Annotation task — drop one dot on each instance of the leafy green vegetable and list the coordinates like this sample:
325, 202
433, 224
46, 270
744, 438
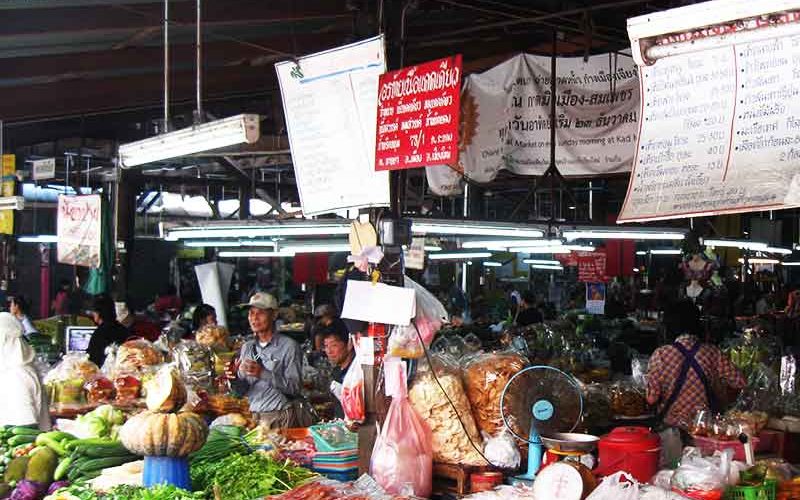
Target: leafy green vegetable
160, 492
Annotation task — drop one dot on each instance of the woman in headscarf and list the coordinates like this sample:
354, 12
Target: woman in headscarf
22, 392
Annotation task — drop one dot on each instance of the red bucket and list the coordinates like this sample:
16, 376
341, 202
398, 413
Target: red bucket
635, 450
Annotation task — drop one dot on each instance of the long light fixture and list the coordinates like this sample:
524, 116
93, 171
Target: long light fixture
510, 243
12, 203
254, 253
580, 248
239, 129
459, 255
38, 238
433, 248
641, 252
230, 243
491, 263
316, 248
474, 228
791, 263
779, 250
618, 234
547, 268
543, 250
294, 228
541, 262
760, 260
665, 251
730, 243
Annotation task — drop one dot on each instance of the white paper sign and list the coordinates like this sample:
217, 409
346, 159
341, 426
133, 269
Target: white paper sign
506, 117
378, 303
214, 280
43, 169
414, 257
721, 133
330, 100
79, 229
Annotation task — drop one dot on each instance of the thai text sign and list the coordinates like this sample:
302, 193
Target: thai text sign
418, 113
79, 230
721, 133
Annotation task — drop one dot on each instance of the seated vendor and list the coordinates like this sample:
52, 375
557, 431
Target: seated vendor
340, 355
687, 375
21, 390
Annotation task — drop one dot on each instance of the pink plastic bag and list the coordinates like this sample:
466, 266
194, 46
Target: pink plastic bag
402, 459
353, 393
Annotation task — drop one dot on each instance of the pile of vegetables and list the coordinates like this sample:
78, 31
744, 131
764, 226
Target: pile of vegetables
85, 459
223, 441
14, 442
245, 477
161, 492
104, 421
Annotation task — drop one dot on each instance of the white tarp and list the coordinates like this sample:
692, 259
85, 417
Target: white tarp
721, 133
214, 280
330, 100
506, 117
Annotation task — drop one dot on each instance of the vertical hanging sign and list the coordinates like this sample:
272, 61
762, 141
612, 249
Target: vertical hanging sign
8, 171
79, 230
418, 115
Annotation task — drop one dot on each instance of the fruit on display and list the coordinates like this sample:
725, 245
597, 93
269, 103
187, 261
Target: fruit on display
165, 392
42, 465
164, 434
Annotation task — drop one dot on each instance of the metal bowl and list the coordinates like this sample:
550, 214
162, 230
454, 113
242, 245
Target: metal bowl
570, 441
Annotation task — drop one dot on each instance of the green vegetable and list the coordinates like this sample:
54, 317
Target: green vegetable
104, 451
105, 463
21, 439
16, 469
63, 467
25, 431
41, 466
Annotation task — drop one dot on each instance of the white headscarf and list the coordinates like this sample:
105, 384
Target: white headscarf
14, 351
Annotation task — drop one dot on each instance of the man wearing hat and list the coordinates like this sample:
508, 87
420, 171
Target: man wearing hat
270, 369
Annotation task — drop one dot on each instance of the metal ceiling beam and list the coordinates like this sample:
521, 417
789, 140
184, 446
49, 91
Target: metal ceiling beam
50, 4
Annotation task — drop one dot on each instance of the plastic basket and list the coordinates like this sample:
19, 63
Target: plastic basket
709, 445
764, 492
166, 470
323, 437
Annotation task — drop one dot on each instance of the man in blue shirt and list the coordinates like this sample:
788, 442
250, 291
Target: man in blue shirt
270, 368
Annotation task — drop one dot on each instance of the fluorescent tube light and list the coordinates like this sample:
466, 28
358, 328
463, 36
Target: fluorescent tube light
239, 129
580, 248
543, 250
742, 244
541, 262
473, 228
790, 263
302, 228
254, 253
760, 260
641, 252
12, 203
38, 238
636, 269
491, 263
547, 268
509, 243
665, 251
432, 248
779, 250
618, 234
319, 248
460, 256
229, 243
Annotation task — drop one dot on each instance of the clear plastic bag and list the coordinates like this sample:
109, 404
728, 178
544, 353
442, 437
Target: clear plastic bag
430, 315
618, 486
65, 382
353, 393
402, 459
699, 477
194, 362
405, 343
485, 377
136, 354
502, 450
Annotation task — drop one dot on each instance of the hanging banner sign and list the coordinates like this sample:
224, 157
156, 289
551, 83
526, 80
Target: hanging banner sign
8, 170
414, 257
721, 133
418, 113
591, 265
79, 230
596, 298
330, 101
43, 169
505, 114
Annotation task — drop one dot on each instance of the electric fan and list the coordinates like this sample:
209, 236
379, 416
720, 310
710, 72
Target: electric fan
537, 403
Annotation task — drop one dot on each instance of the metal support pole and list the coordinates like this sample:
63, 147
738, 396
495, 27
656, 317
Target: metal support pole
199, 115
591, 202
166, 66
464, 264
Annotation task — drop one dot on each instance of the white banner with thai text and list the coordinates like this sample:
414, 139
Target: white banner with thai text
79, 230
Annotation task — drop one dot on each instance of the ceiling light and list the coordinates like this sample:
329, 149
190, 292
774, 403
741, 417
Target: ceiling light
509, 243
641, 252
38, 238
548, 268
253, 253
541, 262
580, 248
759, 260
239, 129
432, 248
543, 250
229, 243
729, 243
317, 248
12, 203
636, 269
460, 255
473, 228
665, 251
299, 228
491, 263
779, 250
619, 234
790, 263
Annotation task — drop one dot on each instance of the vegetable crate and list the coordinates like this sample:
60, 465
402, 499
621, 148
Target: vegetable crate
765, 491
452, 478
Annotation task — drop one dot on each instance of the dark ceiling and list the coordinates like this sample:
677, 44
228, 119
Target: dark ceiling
88, 70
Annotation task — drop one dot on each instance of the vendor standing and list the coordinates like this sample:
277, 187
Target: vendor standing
270, 369
340, 353
109, 330
21, 390
688, 375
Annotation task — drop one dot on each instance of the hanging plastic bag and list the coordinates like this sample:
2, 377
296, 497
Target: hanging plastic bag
618, 486
502, 450
352, 398
402, 459
405, 343
430, 315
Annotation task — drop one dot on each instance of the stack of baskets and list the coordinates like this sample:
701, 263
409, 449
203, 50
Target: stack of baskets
337, 451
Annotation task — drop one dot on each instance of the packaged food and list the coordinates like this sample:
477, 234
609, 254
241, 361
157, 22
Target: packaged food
65, 382
128, 388
194, 362
404, 342
628, 399
213, 337
136, 354
485, 377
451, 444
99, 390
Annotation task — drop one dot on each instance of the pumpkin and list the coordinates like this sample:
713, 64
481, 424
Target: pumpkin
164, 434
165, 392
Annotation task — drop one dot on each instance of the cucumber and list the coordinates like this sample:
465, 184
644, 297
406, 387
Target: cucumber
98, 464
21, 439
103, 452
61, 470
25, 431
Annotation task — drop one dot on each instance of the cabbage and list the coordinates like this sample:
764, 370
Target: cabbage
110, 414
100, 421
28, 490
56, 485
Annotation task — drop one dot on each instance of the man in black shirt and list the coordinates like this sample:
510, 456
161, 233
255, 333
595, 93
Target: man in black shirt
109, 330
340, 354
529, 313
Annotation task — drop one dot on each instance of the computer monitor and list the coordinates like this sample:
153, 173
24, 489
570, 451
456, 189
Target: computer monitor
78, 337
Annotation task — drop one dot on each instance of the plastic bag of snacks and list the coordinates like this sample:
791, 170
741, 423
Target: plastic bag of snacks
66, 380
450, 443
485, 377
430, 315
353, 393
618, 486
213, 337
194, 362
405, 343
99, 390
628, 399
502, 450
136, 354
